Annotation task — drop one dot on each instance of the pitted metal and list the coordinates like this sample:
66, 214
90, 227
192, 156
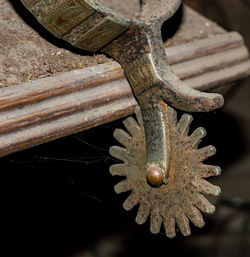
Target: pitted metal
136, 43
179, 201
142, 70
101, 34
68, 19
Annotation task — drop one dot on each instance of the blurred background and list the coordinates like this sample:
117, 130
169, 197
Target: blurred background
57, 199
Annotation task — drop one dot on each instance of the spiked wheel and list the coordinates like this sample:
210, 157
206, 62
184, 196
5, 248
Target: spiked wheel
179, 201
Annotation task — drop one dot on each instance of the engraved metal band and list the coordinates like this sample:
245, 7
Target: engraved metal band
103, 33
62, 17
30, 3
142, 75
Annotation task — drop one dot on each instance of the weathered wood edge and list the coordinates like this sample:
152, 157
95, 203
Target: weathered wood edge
53, 107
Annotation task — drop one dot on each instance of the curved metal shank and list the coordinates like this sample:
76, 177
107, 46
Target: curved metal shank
141, 52
137, 45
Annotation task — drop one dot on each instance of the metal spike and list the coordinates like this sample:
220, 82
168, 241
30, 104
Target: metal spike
197, 136
203, 204
122, 187
122, 137
131, 202
207, 171
169, 225
183, 224
183, 125
139, 116
143, 213
207, 188
118, 170
195, 216
155, 222
172, 116
132, 126
205, 152
119, 153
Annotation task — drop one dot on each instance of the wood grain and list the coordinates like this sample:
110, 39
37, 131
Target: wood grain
43, 110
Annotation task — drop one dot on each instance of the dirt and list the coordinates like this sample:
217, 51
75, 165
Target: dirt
28, 52
26, 55
129, 8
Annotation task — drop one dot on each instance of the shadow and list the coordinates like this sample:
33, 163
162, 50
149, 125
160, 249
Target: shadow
61, 194
58, 198
215, 10
224, 131
171, 26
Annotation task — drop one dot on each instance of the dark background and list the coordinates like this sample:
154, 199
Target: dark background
57, 199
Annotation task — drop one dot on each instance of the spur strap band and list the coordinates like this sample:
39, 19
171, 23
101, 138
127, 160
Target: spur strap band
81, 23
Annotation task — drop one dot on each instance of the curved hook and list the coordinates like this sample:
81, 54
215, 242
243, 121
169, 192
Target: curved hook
137, 45
141, 52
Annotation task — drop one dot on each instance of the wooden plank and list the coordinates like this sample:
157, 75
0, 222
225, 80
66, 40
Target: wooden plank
53, 107
218, 78
213, 62
204, 47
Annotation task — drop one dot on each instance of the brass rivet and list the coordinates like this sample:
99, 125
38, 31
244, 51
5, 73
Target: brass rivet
155, 175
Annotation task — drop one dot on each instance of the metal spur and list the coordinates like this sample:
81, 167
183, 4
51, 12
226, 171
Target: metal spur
161, 162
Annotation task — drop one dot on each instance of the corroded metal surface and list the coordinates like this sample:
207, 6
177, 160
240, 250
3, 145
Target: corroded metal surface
142, 70
141, 53
136, 43
62, 17
181, 200
70, 20
100, 35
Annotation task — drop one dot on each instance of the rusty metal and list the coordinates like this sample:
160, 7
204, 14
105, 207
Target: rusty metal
141, 53
86, 24
137, 45
179, 201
